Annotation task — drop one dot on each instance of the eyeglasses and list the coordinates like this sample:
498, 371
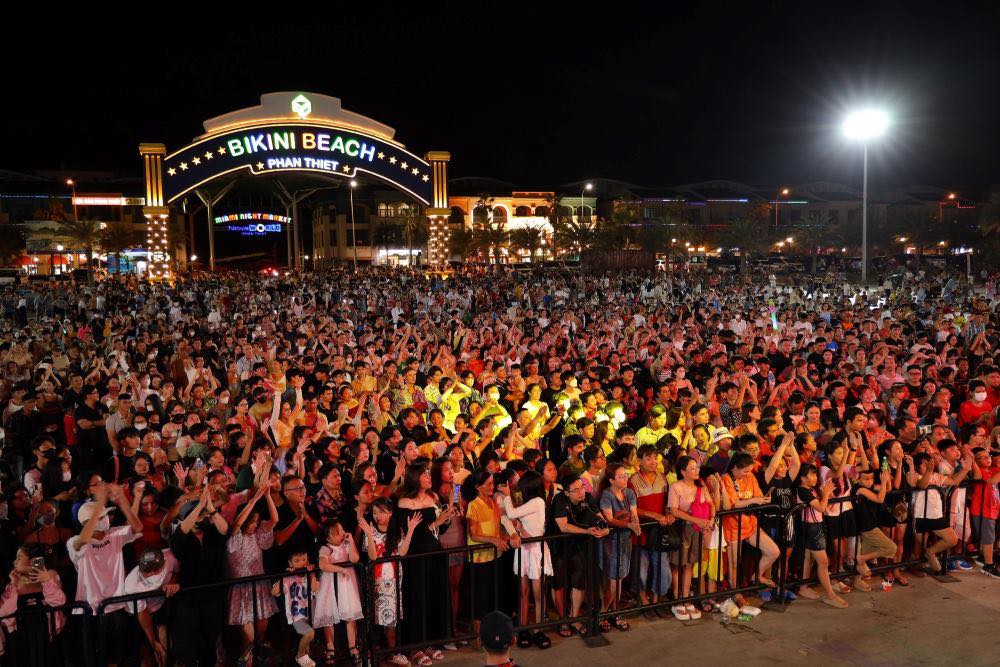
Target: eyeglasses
295, 488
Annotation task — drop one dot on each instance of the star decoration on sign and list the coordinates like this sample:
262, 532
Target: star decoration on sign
222, 150
416, 172
260, 166
347, 169
172, 171
404, 165
197, 160
208, 155
183, 166
381, 155
425, 179
392, 160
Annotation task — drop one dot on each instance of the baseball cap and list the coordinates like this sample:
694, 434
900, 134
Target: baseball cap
151, 560
496, 631
87, 510
721, 434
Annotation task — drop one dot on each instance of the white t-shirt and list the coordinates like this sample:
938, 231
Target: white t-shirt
928, 503
137, 582
958, 495
100, 566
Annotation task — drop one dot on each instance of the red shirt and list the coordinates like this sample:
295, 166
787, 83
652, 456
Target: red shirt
969, 412
985, 497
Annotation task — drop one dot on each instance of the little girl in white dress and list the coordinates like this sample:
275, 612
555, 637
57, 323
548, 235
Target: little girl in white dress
338, 599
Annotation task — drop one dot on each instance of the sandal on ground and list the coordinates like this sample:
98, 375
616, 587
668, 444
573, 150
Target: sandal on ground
524, 639
767, 582
581, 629
418, 658
841, 587
355, 654
329, 656
399, 659
434, 653
862, 585
619, 623
680, 612
807, 593
838, 603
900, 580
541, 640
706, 606
565, 630
692, 611
604, 625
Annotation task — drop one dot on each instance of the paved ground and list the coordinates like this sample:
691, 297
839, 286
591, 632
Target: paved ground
929, 623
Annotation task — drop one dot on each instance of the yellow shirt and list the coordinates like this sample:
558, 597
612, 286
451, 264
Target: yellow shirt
484, 519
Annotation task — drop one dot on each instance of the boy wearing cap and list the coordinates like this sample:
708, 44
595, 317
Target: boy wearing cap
96, 553
496, 632
157, 570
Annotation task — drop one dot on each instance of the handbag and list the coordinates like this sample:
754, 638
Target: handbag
664, 538
699, 509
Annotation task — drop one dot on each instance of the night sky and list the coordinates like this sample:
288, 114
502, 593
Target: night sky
640, 93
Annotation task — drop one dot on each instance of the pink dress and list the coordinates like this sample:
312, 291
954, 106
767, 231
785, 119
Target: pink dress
245, 558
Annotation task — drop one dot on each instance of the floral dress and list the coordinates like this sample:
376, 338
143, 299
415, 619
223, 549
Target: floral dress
385, 580
245, 558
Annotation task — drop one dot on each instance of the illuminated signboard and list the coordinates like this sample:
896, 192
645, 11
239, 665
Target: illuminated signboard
260, 229
253, 215
273, 148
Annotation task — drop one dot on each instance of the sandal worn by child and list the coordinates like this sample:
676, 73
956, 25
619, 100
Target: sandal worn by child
541, 640
524, 639
620, 623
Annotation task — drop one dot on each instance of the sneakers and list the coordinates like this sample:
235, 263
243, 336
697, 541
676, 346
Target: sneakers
680, 612
305, 661
765, 596
991, 570
959, 564
790, 596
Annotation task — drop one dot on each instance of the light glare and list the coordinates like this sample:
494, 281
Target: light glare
866, 124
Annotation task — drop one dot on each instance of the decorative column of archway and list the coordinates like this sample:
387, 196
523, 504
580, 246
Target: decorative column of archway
437, 214
155, 213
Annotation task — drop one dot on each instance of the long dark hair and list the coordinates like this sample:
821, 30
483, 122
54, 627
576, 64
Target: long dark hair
530, 485
411, 481
436, 467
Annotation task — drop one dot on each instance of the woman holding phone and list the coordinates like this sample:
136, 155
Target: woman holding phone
452, 533
30, 585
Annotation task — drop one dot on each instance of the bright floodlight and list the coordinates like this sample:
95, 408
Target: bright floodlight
866, 124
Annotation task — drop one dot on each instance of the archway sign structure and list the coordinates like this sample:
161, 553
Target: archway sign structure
289, 133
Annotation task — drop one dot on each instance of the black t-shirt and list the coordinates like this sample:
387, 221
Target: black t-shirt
123, 465
582, 515
202, 561
302, 538
867, 512
782, 493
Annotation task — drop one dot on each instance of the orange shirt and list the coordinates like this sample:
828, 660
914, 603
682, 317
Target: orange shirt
744, 524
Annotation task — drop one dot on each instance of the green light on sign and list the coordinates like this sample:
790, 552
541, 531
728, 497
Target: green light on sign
301, 106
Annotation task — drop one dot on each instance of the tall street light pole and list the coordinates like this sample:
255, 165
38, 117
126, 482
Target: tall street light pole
354, 238
865, 125
72, 186
586, 188
777, 200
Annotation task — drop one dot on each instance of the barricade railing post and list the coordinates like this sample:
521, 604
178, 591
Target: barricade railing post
594, 637
946, 497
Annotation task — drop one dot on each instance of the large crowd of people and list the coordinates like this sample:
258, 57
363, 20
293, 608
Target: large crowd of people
618, 439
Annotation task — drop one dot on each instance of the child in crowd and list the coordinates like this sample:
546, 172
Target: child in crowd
338, 599
297, 590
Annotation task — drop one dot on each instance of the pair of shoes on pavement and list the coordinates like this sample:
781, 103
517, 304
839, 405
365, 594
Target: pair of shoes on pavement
685, 612
956, 564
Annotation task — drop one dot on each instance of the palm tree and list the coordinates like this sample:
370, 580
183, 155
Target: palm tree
817, 232
573, 234
749, 235
461, 242
415, 231
85, 235
118, 237
488, 236
528, 238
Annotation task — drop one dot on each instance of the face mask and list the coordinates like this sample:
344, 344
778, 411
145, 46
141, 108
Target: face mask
67, 475
224, 400
177, 419
980, 396
140, 427
46, 519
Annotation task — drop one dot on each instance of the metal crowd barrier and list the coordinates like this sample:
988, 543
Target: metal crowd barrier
43, 635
